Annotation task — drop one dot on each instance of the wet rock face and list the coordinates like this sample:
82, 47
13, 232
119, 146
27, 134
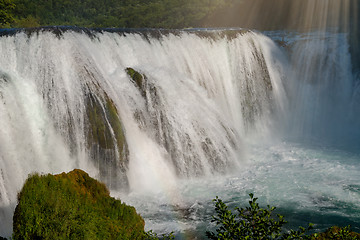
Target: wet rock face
257, 90
4, 78
106, 140
72, 206
138, 79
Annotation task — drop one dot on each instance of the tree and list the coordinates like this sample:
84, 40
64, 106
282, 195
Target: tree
6, 7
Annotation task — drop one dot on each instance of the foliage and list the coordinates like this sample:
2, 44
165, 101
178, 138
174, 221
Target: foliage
72, 206
6, 16
27, 22
337, 233
251, 223
118, 13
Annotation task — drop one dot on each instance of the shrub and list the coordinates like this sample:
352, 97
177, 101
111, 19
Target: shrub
72, 206
337, 233
251, 223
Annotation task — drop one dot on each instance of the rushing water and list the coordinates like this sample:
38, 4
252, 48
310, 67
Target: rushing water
306, 183
218, 113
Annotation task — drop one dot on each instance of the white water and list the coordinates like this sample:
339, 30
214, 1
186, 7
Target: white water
203, 128
305, 183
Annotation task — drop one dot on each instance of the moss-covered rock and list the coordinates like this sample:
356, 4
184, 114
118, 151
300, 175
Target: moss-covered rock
138, 78
116, 125
98, 132
105, 127
106, 139
135, 75
72, 206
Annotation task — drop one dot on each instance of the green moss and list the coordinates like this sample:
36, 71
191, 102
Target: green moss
138, 79
135, 75
115, 122
72, 206
105, 128
98, 132
106, 139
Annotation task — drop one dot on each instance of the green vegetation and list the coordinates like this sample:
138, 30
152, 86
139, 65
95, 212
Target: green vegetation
106, 138
116, 125
105, 122
135, 76
6, 16
108, 13
337, 233
138, 78
255, 223
251, 223
72, 206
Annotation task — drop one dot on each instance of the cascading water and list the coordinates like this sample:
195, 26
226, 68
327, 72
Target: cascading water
169, 120
323, 88
67, 102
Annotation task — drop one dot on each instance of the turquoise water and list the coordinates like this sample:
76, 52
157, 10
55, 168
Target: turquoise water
306, 183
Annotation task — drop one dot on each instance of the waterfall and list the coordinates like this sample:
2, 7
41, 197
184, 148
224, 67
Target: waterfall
323, 90
67, 100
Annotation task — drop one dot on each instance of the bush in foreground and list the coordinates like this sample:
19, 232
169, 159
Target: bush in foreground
72, 206
255, 223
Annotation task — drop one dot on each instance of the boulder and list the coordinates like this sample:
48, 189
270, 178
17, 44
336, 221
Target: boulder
72, 206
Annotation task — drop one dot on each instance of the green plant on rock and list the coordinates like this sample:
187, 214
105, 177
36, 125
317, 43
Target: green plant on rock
251, 223
105, 127
72, 206
138, 78
106, 138
135, 75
